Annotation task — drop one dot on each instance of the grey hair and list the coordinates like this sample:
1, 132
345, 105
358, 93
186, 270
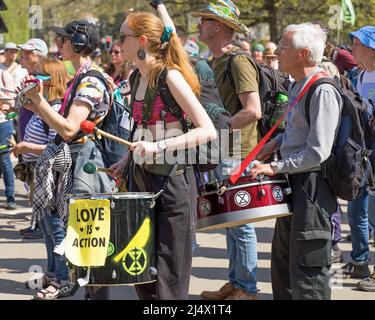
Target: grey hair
307, 35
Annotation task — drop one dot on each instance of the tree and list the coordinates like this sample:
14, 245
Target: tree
276, 13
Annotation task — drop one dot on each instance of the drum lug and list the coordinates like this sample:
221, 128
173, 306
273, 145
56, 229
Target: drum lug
261, 193
221, 200
222, 190
151, 204
153, 271
114, 274
113, 204
287, 191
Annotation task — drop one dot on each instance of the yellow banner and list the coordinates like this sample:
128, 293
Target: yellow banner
88, 232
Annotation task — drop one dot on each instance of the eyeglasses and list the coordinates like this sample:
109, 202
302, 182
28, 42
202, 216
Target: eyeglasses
123, 36
281, 48
115, 52
206, 19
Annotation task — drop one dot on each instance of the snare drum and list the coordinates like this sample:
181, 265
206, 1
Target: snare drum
246, 202
132, 221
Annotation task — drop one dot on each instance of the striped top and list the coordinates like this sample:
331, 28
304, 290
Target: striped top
35, 133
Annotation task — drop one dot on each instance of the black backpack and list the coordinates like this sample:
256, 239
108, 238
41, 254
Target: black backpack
348, 169
112, 151
272, 83
207, 155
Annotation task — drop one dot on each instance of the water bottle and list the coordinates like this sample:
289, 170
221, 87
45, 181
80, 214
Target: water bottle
11, 115
280, 108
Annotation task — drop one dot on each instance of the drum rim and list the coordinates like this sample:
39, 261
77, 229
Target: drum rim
241, 186
120, 195
262, 213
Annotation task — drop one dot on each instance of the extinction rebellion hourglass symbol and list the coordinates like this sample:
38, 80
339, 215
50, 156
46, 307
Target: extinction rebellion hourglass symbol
135, 261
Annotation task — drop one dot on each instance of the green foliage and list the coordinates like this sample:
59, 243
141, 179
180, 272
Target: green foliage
111, 13
16, 20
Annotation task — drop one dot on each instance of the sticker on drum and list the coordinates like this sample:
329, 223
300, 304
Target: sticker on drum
205, 207
242, 198
277, 193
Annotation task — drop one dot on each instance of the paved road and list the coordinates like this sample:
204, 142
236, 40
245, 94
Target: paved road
18, 256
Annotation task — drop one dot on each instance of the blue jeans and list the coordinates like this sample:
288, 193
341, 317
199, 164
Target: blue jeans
6, 131
371, 211
359, 227
242, 254
54, 233
241, 244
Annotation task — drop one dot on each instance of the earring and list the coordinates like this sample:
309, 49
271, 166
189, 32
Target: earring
141, 54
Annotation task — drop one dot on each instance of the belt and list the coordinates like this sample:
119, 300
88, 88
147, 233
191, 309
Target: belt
164, 169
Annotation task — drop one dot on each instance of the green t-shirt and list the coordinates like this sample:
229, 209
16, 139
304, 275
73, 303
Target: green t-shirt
246, 79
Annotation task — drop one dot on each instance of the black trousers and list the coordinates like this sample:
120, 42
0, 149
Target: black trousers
175, 216
301, 245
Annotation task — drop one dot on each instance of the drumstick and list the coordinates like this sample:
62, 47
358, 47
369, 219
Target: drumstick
89, 127
5, 147
91, 168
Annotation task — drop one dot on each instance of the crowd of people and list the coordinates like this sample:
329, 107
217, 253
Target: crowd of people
46, 137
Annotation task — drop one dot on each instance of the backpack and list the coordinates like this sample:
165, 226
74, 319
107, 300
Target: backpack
348, 169
207, 155
112, 123
273, 91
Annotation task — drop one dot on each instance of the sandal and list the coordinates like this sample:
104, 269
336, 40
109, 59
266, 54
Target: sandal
54, 291
46, 279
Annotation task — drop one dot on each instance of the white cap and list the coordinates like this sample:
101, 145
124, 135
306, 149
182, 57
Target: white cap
11, 46
35, 45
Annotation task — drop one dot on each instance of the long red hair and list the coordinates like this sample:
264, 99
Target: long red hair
172, 56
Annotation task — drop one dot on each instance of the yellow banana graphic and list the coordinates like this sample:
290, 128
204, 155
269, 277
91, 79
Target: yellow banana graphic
138, 241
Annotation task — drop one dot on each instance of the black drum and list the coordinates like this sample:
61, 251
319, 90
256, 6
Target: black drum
131, 251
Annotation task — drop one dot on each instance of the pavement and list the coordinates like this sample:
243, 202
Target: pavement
20, 258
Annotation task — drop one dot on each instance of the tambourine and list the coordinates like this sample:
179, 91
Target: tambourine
21, 99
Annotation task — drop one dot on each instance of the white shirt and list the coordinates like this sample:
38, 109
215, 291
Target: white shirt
16, 71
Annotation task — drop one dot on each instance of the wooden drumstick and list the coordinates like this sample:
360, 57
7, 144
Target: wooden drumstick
89, 127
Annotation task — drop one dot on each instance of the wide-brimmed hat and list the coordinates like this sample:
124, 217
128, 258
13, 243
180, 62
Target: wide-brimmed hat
269, 53
226, 12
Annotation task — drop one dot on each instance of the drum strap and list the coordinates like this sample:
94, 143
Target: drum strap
251, 156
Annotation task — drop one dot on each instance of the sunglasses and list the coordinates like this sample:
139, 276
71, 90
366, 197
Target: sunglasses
207, 19
123, 36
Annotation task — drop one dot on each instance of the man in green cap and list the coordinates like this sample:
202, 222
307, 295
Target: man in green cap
257, 52
217, 25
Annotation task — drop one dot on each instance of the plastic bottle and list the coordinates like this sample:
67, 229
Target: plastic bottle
280, 108
11, 115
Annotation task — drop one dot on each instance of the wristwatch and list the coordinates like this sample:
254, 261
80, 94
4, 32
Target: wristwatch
162, 145
274, 166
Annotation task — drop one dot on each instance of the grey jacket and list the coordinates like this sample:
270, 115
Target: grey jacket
305, 147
